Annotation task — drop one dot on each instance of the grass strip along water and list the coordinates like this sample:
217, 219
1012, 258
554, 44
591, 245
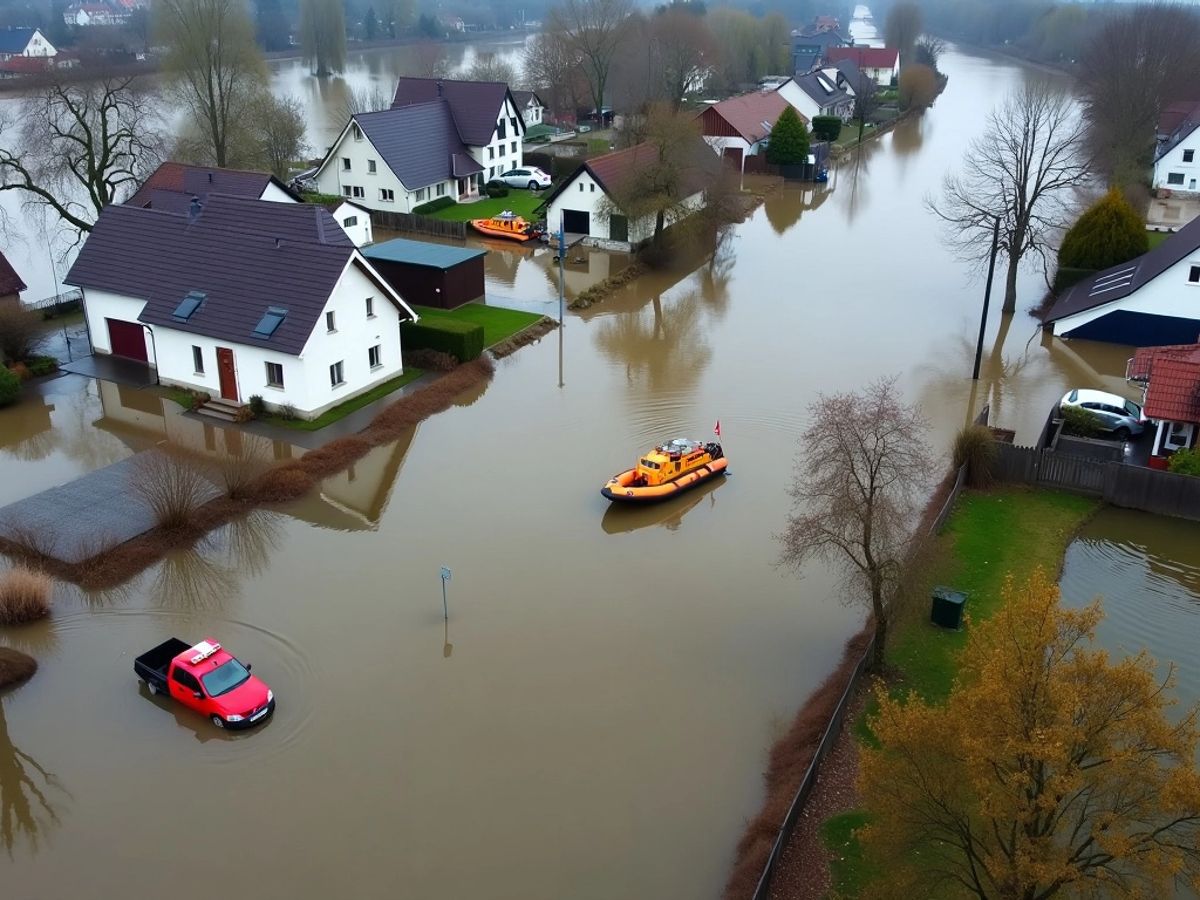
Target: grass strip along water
989, 536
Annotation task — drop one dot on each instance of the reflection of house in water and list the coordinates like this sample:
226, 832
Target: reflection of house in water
785, 206
353, 500
27, 427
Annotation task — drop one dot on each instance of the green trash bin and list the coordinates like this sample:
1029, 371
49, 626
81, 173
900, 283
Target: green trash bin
947, 608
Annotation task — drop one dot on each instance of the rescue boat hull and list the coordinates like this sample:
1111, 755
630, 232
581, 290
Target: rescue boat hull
621, 489
483, 227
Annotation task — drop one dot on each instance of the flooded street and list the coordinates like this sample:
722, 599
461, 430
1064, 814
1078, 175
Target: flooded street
593, 720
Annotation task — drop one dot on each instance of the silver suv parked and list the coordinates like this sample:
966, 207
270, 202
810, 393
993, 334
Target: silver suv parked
1120, 417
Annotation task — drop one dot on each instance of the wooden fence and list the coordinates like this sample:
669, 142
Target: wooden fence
1131, 487
393, 221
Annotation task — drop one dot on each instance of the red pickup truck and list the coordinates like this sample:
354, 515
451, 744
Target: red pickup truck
208, 679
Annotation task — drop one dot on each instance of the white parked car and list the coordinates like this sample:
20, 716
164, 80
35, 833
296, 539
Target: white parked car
1120, 417
532, 178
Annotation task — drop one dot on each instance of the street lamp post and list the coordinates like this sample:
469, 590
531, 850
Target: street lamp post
987, 295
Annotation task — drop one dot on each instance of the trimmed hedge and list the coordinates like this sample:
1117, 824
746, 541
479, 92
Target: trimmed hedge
826, 128
434, 205
462, 340
495, 189
1066, 276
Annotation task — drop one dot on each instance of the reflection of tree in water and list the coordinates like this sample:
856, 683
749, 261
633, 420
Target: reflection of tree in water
715, 275
26, 792
251, 540
908, 136
785, 206
852, 177
667, 348
502, 265
208, 575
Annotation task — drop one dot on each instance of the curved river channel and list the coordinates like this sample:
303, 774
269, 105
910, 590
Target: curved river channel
593, 719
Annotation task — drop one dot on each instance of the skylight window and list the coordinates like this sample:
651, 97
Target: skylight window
271, 320
187, 306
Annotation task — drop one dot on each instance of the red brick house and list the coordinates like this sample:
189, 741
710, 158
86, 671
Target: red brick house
1171, 376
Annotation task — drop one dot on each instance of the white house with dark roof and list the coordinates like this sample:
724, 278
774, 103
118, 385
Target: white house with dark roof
172, 187
440, 138
823, 92
240, 297
1177, 159
29, 42
1150, 301
532, 107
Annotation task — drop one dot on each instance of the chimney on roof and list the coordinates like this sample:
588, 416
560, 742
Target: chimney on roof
210, 177
194, 209
276, 243
439, 87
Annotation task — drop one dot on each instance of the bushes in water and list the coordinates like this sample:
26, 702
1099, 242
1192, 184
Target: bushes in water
10, 387
462, 340
15, 667
171, 486
975, 447
24, 596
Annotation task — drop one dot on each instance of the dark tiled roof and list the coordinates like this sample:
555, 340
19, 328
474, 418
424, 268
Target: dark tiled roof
1173, 393
612, 171
15, 40
853, 75
200, 181
1178, 136
474, 105
1122, 280
419, 143
10, 281
822, 88
864, 57
751, 115
244, 255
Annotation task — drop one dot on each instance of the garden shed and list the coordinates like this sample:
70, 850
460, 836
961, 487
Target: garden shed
429, 274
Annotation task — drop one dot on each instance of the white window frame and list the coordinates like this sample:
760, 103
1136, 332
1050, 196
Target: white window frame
387, 195
441, 189
1187, 158
349, 221
337, 374
347, 166
356, 131
358, 192
1194, 273
1170, 442
371, 167
278, 385
330, 322
1173, 175
375, 357
197, 360
370, 307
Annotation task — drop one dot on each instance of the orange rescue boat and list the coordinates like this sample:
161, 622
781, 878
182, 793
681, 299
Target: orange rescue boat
506, 225
666, 471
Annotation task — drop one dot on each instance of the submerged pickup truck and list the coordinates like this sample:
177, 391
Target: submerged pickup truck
208, 679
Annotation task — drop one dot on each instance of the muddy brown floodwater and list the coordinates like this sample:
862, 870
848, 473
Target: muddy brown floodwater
593, 720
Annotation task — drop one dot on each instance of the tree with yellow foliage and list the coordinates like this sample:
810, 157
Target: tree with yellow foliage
1051, 769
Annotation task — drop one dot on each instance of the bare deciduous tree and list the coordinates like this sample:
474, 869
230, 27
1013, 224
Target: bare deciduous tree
278, 128
428, 60
80, 147
683, 51
323, 35
902, 28
490, 67
1021, 170
362, 100
593, 29
552, 69
855, 494
217, 66
1137, 62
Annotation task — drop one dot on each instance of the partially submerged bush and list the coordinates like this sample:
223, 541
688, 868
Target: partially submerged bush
975, 447
429, 360
334, 456
24, 596
1079, 421
15, 667
10, 387
171, 486
20, 331
42, 365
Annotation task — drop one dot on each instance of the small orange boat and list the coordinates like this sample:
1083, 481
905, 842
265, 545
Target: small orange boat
666, 471
505, 225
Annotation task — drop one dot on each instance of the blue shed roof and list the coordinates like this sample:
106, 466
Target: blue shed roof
420, 253
15, 40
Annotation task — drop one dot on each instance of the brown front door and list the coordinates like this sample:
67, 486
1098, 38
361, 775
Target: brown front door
227, 374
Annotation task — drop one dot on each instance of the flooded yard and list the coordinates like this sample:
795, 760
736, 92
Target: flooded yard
593, 719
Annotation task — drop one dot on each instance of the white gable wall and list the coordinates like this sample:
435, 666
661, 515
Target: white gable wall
334, 179
799, 100
276, 194
101, 305
355, 222
1172, 173
502, 153
583, 194
1170, 294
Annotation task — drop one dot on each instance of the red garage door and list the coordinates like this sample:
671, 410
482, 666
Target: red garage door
127, 339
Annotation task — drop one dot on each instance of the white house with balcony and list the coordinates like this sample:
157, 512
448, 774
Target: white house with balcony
241, 297
440, 138
1176, 166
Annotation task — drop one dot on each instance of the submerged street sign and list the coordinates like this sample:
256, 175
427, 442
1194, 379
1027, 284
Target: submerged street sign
445, 573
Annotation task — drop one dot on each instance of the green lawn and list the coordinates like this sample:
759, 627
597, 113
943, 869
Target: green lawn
344, 409
523, 203
1156, 237
498, 323
989, 535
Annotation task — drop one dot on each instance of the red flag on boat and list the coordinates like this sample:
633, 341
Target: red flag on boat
717, 430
